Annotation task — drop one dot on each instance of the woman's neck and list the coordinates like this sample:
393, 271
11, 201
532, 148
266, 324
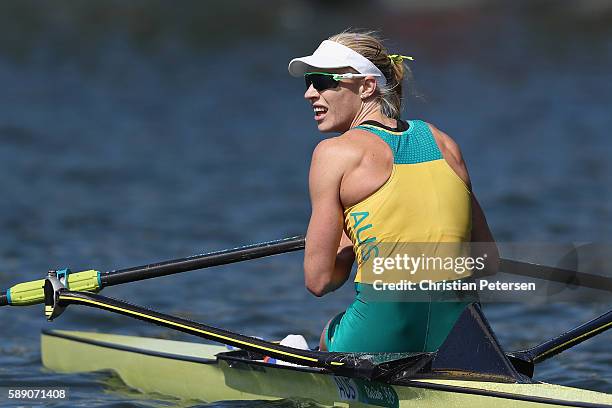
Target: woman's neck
371, 111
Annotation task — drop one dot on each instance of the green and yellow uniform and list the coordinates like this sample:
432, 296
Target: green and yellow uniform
423, 201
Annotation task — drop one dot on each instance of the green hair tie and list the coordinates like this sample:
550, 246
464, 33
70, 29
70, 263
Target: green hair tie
395, 58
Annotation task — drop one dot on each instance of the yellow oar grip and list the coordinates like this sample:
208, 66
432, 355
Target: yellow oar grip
31, 293
87, 280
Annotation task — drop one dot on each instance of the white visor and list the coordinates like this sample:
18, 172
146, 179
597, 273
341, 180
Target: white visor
331, 54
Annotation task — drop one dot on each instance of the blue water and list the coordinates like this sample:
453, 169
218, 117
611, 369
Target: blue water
136, 133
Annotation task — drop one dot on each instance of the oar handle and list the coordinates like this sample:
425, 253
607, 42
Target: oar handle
31, 293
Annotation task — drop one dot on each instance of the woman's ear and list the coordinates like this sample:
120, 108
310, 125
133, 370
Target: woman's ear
367, 88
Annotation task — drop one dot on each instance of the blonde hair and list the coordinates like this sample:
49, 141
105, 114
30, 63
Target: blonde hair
369, 44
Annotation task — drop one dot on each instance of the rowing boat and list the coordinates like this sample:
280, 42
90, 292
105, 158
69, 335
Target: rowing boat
212, 373
470, 368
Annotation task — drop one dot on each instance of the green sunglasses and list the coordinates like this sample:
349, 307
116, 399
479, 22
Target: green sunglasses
324, 80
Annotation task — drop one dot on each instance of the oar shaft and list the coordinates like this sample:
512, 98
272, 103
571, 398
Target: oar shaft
553, 274
218, 258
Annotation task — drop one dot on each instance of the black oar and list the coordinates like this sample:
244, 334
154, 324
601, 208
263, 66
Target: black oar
194, 262
553, 274
31, 292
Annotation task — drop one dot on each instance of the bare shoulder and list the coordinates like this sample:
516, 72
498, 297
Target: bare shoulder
332, 158
446, 143
326, 148
452, 152
339, 149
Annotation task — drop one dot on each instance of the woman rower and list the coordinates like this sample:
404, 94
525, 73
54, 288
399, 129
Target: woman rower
383, 181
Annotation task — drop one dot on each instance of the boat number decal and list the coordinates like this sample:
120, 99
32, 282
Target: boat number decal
347, 390
373, 393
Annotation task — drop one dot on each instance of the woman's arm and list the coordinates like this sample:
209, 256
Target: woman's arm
329, 254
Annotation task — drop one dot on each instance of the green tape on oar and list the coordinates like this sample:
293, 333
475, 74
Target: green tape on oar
31, 293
